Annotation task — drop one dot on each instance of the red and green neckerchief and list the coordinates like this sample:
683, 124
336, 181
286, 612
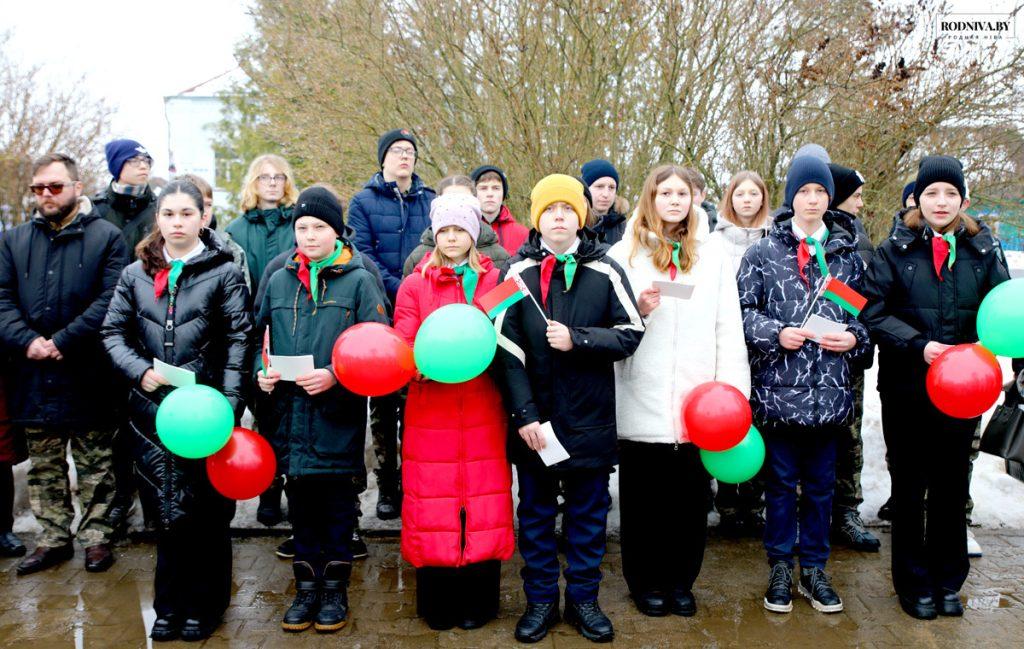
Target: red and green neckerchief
547, 268
309, 271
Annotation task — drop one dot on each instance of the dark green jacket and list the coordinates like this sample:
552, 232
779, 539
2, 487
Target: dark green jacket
263, 235
323, 434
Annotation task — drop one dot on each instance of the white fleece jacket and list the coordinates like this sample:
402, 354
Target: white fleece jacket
687, 342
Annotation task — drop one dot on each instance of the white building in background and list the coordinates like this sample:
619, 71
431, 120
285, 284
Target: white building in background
192, 116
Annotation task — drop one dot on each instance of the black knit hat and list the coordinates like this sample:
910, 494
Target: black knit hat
389, 138
846, 181
908, 189
320, 203
939, 169
482, 169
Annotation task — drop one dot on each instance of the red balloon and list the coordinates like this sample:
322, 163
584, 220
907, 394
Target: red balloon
716, 416
244, 468
371, 359
965, 381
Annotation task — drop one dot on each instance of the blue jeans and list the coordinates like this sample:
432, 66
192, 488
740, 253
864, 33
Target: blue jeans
804, 456
585, 520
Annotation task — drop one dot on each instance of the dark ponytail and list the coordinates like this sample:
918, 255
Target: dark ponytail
150, 250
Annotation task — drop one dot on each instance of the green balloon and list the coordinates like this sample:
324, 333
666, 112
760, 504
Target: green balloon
456, 343
739, 463
194, 421
1001, 319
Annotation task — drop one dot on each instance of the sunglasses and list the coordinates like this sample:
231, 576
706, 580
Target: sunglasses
55, 188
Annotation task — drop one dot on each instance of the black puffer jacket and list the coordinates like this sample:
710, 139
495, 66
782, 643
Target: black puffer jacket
574, 390
908, 306
57, 285
209, 336
610, 227
322, 434
132, 215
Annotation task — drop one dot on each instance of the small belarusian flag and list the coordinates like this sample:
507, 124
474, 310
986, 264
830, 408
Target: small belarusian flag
844, 296
503, 296
265, 352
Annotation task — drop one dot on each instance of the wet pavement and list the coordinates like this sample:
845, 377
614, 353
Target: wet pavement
68, 607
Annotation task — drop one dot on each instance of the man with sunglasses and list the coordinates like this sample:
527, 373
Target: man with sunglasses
389, 215
128, 202
57, 274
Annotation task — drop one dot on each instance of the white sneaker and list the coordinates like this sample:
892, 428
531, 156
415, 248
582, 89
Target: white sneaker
973, 549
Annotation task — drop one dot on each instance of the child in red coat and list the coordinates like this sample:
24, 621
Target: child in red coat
457, 507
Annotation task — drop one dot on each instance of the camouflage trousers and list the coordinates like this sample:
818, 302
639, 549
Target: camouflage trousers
850, 454
49, 486
386, 415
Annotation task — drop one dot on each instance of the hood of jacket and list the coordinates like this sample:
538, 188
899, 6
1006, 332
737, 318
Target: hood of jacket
443, 275
280, 215
354, 262
905, 237
590, 249
737, 233
381, 186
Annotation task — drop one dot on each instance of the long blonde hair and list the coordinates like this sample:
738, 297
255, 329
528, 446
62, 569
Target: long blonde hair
648, 223
439, 260
249, 197
725, 209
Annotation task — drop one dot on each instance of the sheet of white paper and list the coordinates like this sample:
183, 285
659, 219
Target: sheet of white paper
674, 289
176, 376
553, 451
292, 367
821, 326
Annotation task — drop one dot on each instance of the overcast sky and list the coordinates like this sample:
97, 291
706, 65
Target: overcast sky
133, 53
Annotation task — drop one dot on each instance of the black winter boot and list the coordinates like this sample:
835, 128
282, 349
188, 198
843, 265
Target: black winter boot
848, 529
535, 622
589, 620
333, 613
306, 604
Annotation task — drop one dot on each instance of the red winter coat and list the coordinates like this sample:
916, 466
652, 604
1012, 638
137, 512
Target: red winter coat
457, 507
511, 233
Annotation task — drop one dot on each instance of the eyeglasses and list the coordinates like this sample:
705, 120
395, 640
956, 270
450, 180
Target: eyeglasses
139, 160
403, 151
266, 179
55, 188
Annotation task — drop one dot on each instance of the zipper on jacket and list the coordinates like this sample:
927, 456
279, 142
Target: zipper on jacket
463, 514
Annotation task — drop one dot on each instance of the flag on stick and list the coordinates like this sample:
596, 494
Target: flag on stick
849, 299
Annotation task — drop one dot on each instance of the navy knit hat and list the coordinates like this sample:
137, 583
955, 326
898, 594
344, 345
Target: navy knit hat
939, 169
908, 190
389, 138
121, 151
320, 203
804, 170
813, 150
482, 169
846, 181
598, 168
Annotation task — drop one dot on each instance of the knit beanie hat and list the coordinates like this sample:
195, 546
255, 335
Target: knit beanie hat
805, 170
598, 168
320, 203
553, 189
121, 151
908, 190
460, 210
939, 169
814, 151
846, 181
482, 169
389, 138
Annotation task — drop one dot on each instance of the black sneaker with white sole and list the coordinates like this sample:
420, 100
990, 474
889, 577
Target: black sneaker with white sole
779, 596
287, 549
816, 586
358, 546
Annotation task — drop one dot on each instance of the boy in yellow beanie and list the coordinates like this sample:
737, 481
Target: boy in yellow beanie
558, 371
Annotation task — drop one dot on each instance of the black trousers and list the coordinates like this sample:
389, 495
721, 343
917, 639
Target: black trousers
664, 492
445, 596
193, 561
323, 514
6, 497
931, 459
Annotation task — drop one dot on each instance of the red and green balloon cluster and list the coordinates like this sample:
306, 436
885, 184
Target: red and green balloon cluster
717, 418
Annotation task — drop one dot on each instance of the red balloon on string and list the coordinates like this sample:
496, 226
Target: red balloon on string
244, 468
964, 381
716, 416
372, 359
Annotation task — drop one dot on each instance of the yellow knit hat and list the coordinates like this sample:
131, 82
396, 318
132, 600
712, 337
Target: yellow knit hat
557, 188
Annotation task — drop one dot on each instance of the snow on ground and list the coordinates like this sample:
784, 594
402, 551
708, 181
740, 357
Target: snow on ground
998, 498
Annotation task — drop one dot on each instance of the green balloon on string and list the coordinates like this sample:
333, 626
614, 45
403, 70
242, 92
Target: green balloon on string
454, 344
194, 421
739, 463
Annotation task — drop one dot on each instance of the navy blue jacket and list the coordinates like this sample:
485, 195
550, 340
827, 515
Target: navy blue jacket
810, 386
388, 224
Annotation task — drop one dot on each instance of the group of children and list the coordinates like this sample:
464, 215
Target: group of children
598, 357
